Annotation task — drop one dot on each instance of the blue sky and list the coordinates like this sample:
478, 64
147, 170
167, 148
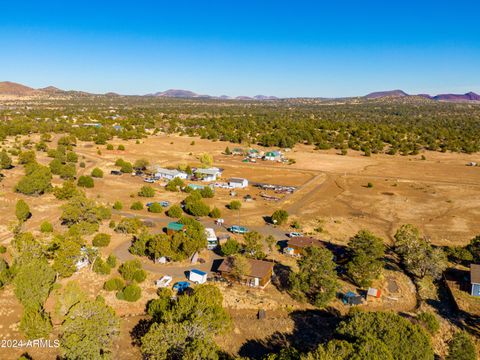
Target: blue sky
282, 48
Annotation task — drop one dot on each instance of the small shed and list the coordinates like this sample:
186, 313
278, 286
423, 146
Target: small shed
174, 227
475, 279
238, 183
374, 293
197, 276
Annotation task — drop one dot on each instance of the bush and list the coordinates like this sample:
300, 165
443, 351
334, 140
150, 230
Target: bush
101, 240
207, 192
155, 208
130, 293
235, 205
3, 249
101, 267
461, 347
97, 173
129, 225
118, 205
369, 185
175, 211
46, 227
82, 165
22, 211
175, 184
137, 205
132, 271
85, 181
36, 180
429, 322
109, 147
279, 217
121, 147
197, 208
230, 247
215, 213
112, 261
126, 167
147, 191
114, 284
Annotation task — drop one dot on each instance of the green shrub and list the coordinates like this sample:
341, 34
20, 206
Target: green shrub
155, 208
46, 227
101, 240
129, 225
230, 247
137, 205
147, 191
175, 211
461, 347
22, 211
112, 261
101, 267
121, 147
109, 147
85, 181
3, 249
279, 217
118, 205
132, 271
97, 173
235, 205
130, 293
114, 284
429, 322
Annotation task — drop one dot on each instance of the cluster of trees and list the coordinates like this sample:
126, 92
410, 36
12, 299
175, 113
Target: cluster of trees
181, 245
253, 246
185, 328
83, 215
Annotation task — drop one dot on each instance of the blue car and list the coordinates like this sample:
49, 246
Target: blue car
238, 229
161, 203
181, 286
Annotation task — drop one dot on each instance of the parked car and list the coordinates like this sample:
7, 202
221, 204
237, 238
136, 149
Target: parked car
238, 229
150, 181
164, 203
294, 234
116, 172
164, 281
181, 286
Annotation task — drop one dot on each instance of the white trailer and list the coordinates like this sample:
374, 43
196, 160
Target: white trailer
197, 276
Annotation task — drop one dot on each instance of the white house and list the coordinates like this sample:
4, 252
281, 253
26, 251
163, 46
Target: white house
273, 156
162, 173
212, 240
238, 183
209, 174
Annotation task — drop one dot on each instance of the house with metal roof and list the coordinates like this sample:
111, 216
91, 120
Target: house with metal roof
273, 156
208, 174
258, 272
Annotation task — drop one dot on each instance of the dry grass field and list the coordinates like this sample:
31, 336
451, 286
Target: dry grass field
440, 195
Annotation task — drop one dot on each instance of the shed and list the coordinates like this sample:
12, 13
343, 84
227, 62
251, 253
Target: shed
375, 293
197, 276
238, 183
475, 279
174, 227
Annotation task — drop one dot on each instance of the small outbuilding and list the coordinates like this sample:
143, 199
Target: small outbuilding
475, 279
238, 183
374, 293
197, 276
174, 227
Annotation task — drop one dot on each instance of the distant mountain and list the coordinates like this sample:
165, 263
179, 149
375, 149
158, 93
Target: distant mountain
470, 96
11, 88
382, 94
51, 89
265, 97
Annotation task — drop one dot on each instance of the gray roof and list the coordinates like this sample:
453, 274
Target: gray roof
237, 180
160, 170
209, 171
475, 274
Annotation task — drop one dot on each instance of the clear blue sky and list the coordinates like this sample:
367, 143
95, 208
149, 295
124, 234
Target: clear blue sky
283, 48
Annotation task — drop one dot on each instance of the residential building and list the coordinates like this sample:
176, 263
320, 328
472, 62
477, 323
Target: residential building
208, 174
273, 156
259, 272
169, 174
238, 183
295, 245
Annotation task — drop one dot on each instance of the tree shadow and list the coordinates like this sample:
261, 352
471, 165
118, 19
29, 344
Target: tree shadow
139, 330
282, 275
311, 328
